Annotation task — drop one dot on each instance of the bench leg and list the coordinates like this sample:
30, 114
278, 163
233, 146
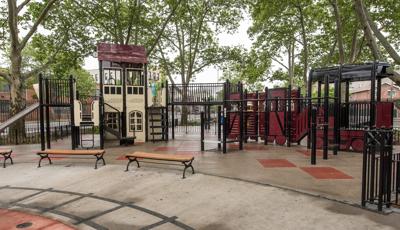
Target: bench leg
6, 157
187, 165
98, 158
130, 161
44, 156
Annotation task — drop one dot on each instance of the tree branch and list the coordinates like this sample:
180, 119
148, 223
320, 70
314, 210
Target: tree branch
5, 75
280, 63
12, 23
33, 29
163, 28
22, 5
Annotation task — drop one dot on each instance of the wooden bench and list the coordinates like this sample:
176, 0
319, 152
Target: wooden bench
186, 160
98, 153
6, 153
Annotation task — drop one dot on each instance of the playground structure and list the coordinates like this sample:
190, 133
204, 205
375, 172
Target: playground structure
61, 93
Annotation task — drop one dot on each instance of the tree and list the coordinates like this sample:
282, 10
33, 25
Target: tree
281, 30
189, 43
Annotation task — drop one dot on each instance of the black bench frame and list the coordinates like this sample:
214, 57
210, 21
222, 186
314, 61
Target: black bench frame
187, 164
7, 155
99, 157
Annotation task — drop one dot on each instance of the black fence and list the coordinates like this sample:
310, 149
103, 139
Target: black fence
380, 173
196, 93
27, 130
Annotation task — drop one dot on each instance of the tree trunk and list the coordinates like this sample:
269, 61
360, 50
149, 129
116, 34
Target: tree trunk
305, 46
17, 95
339, 35
362, 17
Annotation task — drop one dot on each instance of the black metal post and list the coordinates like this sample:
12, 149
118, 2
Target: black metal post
202, 130
256, 115
166, 128
373, 96
326, 117
266, 116
219, 127
101, 106
378, 89
48, 135
336, 118
241, 117
224, 116
309, 95
146, 105
74, 134
313, 136
364, 170
172, 110
289, 116
41, 111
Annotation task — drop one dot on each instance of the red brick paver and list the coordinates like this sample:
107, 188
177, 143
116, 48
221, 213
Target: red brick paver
325, 173
16, 220
276, 163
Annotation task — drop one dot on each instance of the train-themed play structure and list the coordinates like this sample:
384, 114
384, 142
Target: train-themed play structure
134, 105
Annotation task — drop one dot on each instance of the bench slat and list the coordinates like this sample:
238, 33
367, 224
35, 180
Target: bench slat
72, 152
5, 151
157, 156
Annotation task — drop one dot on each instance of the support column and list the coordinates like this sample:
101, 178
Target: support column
41, 112
326, 117
101, 106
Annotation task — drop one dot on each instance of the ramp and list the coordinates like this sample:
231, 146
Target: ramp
18, 116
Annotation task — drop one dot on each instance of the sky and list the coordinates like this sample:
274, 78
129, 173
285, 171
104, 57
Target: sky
210, 74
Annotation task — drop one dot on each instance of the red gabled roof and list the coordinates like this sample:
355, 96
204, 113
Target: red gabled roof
121, 53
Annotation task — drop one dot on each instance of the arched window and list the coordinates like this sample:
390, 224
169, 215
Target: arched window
135, 121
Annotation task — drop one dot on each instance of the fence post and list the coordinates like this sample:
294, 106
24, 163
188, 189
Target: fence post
219, 127
326, 117
314, 136
364, 169
202, 130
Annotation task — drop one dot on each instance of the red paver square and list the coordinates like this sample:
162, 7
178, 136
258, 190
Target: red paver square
325, 173
276, 163
165, 148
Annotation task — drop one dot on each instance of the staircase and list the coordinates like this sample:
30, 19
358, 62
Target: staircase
158, 123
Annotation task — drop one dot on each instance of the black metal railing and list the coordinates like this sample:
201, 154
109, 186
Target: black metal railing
380, 172
57, 91
199, 93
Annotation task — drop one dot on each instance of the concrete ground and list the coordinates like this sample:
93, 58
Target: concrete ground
229, 191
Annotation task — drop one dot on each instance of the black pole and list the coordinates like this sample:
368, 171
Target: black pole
241, 117
319, 93
309, 95
245, 118
256, 110
172, 110
289, 117
219, 127
166, 128
347, 100
74, 134
101, 106
146, 104
326, 116
313, 136
41, 111
202, 131
48, 135
364, 170
266, 116
224, 116
339, 107
378, 89
373, 98
336, 118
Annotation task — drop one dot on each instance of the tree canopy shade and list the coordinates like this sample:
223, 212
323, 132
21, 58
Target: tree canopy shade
296, 34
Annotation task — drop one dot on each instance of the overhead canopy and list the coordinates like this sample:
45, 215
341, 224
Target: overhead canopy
352, 72
121, 53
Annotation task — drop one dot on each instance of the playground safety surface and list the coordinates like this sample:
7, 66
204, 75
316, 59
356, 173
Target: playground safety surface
229, 191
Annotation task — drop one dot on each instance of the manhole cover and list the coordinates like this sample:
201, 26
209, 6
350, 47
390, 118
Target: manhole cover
24, 225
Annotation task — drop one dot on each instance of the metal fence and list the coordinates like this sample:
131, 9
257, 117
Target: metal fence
380, 173
27, 130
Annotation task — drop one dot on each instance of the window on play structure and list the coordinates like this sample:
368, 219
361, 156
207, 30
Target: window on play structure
111, 120
135, 121
134, 77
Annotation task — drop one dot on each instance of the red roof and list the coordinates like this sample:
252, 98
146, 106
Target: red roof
121, 53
